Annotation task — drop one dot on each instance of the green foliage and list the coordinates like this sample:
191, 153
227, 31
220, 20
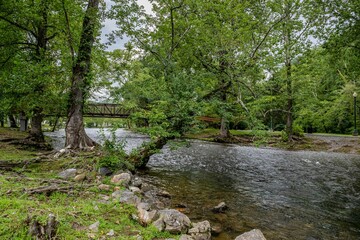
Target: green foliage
114, 156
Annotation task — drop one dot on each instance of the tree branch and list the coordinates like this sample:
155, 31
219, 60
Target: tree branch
18, 25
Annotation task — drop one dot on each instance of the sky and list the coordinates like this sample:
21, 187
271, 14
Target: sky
109, 25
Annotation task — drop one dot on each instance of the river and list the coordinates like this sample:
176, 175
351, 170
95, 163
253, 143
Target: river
285, 194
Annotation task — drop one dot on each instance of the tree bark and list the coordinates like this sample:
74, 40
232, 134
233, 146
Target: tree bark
76, 137
36, 133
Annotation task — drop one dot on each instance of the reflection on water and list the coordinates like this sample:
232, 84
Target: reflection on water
288, 195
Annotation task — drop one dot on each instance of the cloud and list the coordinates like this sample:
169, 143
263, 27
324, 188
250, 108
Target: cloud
110, 25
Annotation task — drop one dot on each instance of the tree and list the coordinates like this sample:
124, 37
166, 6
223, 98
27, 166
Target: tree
294, 38
76, 137
28, 32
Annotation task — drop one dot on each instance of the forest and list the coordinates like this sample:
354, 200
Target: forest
284, 65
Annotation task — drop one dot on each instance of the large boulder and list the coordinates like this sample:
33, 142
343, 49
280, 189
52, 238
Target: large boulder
200, 231
254, 234
172, 221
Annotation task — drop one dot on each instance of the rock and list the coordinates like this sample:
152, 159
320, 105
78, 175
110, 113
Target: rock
121, 179
104, 171
135, 189
146, 217
104, 187
110, 233
164, 194
68, 173
80, 177
144, 205
200, 231
185, 237
136, 182
254, 234
172, 221
216, 229
220, 208
127, 197
94, 227
147, 187
159, 224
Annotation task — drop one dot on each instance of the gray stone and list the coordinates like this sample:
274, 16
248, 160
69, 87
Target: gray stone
159, 224
136, 182
126, 196
121, 179
221, 207
104, 171
173, 221
144, 205
68, 173
200, 231
94, 227
254, 234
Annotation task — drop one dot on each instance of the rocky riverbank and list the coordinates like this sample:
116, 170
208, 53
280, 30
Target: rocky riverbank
152, 209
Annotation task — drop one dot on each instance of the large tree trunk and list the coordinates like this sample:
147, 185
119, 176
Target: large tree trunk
224, 130
36, 133
76, 137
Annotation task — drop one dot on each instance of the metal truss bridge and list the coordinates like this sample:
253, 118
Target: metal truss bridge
106, 110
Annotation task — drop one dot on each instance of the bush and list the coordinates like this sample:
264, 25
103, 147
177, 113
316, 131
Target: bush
114, 156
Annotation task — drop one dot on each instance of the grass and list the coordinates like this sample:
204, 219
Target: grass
10, 151
75, 211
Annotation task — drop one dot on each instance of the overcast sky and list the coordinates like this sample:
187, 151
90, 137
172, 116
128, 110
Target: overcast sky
109, 25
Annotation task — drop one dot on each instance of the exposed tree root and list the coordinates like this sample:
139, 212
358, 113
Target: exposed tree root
43, 232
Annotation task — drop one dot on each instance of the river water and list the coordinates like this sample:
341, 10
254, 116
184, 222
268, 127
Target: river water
287, 195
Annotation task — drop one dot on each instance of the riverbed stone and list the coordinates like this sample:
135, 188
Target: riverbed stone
172, 221
121, 179
200, 231
220, 208
216, 229
254, 234
68, 173
126, 196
